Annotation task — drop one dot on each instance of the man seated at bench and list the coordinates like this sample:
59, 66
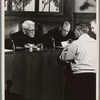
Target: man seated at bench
27, 37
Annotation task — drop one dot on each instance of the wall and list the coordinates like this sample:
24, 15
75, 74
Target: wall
79, 17
85, 6
11, 26
48, 26
84, 10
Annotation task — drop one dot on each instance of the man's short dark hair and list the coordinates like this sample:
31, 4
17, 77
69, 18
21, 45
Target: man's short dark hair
83, 27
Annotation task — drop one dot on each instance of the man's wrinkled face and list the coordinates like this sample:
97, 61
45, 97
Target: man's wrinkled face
30, 31
65, 30
93, 27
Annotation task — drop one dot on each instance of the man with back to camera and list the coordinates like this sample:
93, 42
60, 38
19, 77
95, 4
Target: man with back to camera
58, 35
27, 36
81, 53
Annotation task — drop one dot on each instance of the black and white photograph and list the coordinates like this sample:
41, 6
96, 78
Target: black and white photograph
50, 50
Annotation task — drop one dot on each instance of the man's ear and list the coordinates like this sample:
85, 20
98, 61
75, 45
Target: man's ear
24, 31
80, 32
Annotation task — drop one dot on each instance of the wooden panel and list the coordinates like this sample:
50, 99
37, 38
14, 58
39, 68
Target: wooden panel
79, 17
42, 17
35, 76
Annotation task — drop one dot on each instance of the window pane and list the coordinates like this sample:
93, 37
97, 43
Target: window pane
17, 5
6, 5
23, 5
30, 6
49, 5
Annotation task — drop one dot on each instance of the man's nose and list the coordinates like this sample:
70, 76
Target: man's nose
32, 32
92, 29
65, 32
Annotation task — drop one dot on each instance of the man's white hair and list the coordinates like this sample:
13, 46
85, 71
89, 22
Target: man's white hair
26, 24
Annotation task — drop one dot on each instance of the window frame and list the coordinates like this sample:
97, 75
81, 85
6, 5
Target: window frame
36, 12
66, 13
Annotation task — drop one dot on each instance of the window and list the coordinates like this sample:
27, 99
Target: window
49, 5
33, 5
39, 10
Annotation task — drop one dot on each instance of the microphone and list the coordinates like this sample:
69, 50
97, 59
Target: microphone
13, 45
53, 42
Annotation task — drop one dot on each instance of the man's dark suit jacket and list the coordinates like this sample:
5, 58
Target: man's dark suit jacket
58, 38
20, 39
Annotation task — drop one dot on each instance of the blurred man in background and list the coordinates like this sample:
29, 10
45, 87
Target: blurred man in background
93, 26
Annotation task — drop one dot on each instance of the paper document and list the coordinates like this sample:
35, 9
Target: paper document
64, 43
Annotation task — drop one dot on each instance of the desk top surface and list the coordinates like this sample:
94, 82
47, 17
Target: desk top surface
27, 52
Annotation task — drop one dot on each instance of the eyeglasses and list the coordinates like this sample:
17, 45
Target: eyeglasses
65, 30
30, 30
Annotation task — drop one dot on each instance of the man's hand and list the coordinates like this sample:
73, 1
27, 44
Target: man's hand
29, 45
32, 47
